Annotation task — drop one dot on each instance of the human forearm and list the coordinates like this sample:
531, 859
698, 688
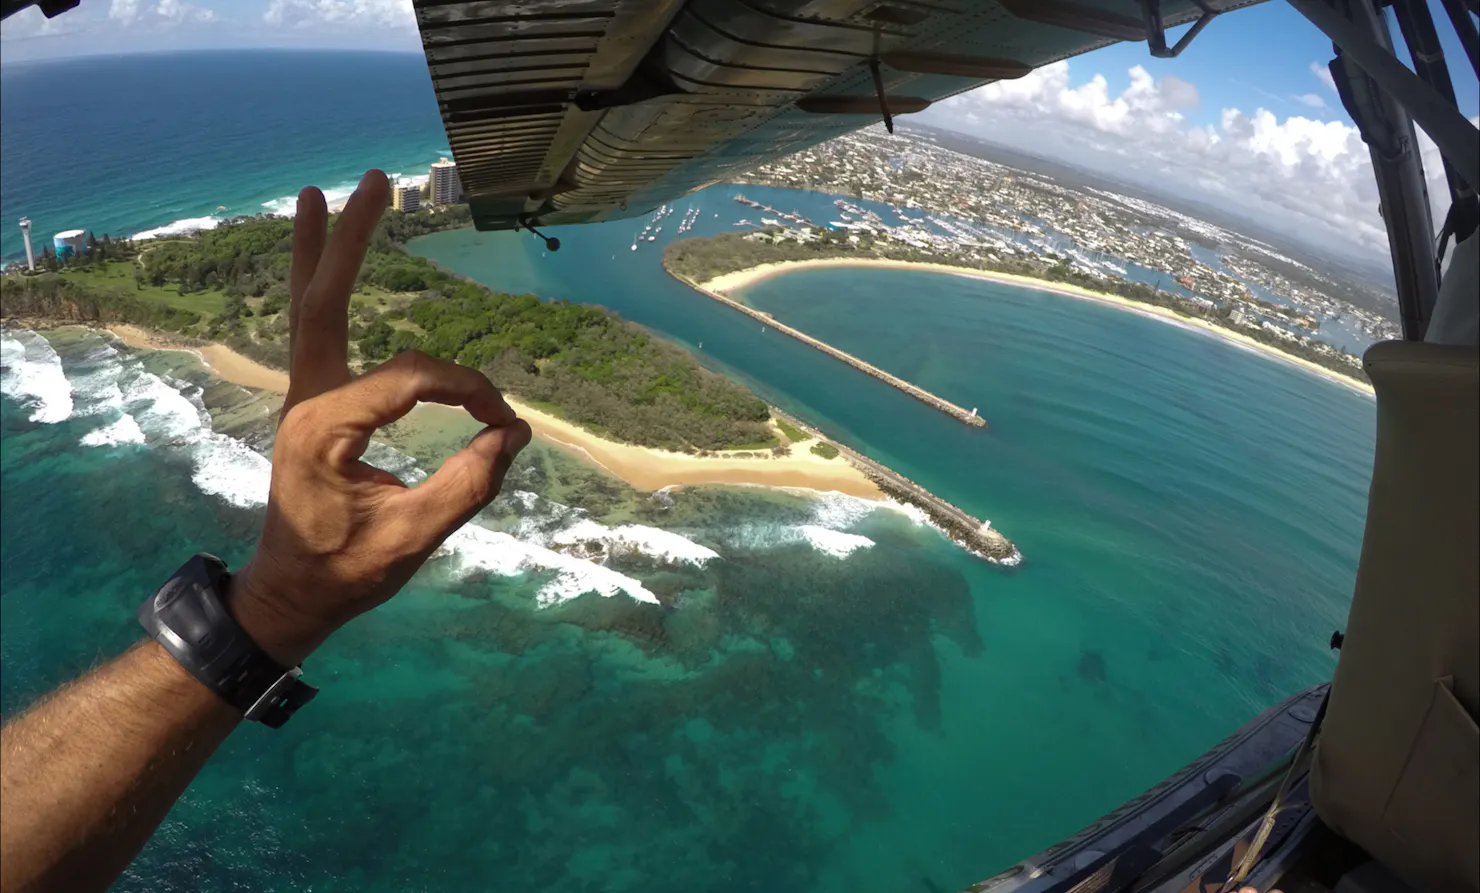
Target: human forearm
88, 774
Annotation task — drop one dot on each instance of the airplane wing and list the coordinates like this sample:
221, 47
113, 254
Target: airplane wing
576, 111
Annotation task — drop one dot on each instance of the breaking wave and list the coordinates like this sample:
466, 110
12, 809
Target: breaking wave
183, 227
128, 405
31, 374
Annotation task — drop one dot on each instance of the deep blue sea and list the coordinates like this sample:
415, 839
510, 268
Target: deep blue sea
163, 143
842, 700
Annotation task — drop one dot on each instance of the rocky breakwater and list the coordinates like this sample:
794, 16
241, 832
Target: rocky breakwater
974, 535
960, 413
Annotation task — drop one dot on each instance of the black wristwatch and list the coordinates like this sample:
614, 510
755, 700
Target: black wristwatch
188, 617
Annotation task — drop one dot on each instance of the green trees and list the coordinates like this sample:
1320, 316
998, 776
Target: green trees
598, 369
375, 343
58, 297
574, 359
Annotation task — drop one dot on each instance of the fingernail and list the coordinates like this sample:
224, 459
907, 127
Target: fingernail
518, 439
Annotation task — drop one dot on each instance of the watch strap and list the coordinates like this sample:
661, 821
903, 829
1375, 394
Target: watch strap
188, 618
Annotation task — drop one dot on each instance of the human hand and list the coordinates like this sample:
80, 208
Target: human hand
342, 536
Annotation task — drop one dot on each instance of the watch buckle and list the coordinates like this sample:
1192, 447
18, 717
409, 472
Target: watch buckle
270, 697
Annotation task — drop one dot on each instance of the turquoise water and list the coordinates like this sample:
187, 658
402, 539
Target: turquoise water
1190, 513
793, 716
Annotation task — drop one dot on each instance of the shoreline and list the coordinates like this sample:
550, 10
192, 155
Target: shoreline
645, 468
728, 282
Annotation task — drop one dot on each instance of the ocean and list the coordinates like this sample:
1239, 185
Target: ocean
834, 697
169, 143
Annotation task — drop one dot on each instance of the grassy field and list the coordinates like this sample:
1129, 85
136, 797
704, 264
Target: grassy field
792, 433
117, 277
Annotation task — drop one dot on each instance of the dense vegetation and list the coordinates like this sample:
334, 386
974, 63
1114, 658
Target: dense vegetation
231, 284
701, 259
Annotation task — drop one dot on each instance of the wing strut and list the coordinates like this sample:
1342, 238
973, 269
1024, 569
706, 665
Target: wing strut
1384, 99
1156, 32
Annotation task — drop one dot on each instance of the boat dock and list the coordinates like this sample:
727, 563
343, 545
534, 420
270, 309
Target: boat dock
969, 417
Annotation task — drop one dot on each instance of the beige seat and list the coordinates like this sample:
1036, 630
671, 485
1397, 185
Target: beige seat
1397, 766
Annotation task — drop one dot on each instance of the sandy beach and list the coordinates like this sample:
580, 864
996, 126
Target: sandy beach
741, 278
643, 467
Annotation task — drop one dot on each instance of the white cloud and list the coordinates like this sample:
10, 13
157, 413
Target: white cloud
365, 13
179, 11
1323, 74
1309, 178
31, 23
1146, 104
1314, 100
124, 11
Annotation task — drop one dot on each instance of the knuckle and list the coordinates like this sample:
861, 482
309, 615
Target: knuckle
411, 363
299, 419
303, 428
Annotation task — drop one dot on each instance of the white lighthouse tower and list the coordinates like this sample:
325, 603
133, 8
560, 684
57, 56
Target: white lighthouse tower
26, 234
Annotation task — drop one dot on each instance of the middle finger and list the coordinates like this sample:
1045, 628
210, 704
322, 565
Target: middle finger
321, 356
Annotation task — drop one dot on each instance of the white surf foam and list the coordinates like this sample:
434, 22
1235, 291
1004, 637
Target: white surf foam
913, 512
1013, 560
476, 548
183, 227
135, 405
171, 414
95, 391
833, 542
664, 545
125, 430
534, 546
163, 412
231, 470
33, 375
287, 206
839, 511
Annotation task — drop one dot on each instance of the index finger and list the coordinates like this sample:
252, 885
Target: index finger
310, 227
392, 389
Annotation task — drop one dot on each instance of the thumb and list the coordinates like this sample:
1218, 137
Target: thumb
467, 481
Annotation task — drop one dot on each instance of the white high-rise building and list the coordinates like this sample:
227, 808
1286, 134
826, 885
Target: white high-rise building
406, 196
26, 235
446, 188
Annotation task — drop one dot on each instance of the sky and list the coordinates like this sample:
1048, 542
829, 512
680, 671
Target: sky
1247, 118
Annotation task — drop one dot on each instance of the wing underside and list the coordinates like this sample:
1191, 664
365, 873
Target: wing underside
574, 111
